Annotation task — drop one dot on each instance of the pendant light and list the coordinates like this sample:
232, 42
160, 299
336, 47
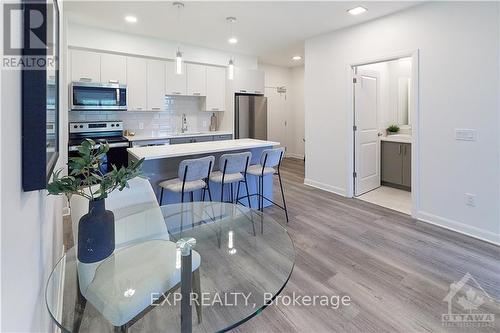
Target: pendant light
178, 55
232, 40
230, 70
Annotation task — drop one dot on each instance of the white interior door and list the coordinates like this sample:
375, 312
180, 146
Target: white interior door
276, 116
366, 138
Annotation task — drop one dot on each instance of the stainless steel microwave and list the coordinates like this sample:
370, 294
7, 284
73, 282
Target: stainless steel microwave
90, 96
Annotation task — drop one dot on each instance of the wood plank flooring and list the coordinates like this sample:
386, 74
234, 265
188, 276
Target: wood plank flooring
395, 269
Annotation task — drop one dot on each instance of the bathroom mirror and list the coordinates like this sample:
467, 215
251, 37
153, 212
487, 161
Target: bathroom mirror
403, 111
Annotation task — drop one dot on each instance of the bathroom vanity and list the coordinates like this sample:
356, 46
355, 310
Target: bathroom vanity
396, 161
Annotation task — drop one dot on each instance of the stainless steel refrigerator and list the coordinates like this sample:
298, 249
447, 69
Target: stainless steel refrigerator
250, 117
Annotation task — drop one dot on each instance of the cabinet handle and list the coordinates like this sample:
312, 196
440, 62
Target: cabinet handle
85, 79
176, 93
215, 109
155, 108
113, 81
257, 92
196, 94
138, 108
243, 90
399, 149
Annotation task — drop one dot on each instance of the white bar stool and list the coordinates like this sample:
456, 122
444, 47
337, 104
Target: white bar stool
192, 175
234, 170
269, 159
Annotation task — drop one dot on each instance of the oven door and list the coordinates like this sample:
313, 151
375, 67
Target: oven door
98, 96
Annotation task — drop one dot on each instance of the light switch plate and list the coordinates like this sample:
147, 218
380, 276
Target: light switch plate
470, 199
465, 134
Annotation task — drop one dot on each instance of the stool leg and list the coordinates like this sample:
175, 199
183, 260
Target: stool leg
209, 193
191, 195
161, 197
238, 193
248, 193
283, 196
203, 194
222, 192
232, 192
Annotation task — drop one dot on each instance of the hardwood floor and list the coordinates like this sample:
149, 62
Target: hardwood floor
395, 269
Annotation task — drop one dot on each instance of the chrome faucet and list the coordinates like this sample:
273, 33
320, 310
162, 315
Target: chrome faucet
184, 127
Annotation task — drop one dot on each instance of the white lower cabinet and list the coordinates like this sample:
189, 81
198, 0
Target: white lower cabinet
156, 85
216, 89
137, 83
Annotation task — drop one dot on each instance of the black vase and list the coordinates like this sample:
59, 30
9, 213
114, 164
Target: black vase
96, 233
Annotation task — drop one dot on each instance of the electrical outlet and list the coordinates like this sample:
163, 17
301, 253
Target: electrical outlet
141, 125
470, 199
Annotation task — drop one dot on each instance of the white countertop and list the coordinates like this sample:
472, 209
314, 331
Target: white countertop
400, 138
157, 136
187, 149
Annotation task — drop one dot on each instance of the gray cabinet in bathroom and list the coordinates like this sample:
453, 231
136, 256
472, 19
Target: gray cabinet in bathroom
396, 164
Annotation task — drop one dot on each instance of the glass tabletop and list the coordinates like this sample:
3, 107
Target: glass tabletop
241, 261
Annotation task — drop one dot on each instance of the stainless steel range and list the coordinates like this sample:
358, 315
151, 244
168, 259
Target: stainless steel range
100, 131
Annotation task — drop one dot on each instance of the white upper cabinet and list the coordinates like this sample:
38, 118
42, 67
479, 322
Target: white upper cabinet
249, 81
85, 66
136, 83
175, 84
113, 68
196, 76
256, 81
156, 85
216, 89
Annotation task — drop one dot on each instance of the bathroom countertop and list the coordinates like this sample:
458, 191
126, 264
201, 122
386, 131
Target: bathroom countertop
158, 136
400, 138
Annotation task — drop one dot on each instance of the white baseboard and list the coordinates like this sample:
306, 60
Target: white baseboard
293, 155
459, 227
325, 187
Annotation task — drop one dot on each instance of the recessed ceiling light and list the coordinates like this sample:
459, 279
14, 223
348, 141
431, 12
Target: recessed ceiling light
232, 40
131, 19
357, 10
296, 58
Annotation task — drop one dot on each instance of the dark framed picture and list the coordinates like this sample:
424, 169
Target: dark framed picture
40, 94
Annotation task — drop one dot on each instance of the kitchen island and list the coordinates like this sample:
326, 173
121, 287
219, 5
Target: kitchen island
162, 162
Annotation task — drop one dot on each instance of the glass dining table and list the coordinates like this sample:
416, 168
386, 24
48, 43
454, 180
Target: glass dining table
241, 259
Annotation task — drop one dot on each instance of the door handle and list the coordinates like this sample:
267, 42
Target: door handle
379, 134
399, 149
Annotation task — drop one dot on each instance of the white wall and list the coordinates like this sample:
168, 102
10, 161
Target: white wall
106, 40
459, 82
288, 107
297, 110
31, 226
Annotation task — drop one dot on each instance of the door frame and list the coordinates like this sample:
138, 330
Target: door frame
414, 116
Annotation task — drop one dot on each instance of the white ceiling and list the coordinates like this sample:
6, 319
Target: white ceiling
272, 31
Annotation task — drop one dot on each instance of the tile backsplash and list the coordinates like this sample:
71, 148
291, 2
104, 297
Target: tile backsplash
155, 122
